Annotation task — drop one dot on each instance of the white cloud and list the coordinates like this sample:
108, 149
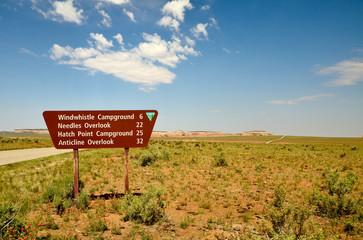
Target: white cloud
117, 2
66, 11
145, 64
215, 111
63, 12
74, 56
190, 42
174, 13
278, 102
106, 21
168, 53
205, 7
101, 42
129, 14
214, 23
119, 39
170, 22
347, 72
200, 30
357, 50
177, 8
297, 100
309, 98
226, 50
27, 51
130, 67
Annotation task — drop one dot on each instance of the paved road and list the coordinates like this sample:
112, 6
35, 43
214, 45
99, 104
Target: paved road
12, 156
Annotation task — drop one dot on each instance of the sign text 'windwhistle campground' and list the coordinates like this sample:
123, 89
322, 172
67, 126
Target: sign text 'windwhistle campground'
100, 129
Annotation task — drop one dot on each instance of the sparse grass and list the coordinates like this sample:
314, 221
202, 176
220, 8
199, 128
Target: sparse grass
187, 220
12, 143
307, 190
96, 225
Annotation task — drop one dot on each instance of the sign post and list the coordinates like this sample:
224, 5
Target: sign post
100, 129
76, 172
127, 171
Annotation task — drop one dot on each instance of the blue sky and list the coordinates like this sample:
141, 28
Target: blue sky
287, 67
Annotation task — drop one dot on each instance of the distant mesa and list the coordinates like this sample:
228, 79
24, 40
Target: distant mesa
255, 133
180, 133
31, 131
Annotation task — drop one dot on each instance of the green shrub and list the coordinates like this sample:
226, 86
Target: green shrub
280, 196
205, 205
279, 217
50, 223
61, 188
96, 225
279, 212
11, 221
286, 220
61, 194
156, 151
220, 160
116, 230
83, 200
355, 148
340, 185
332, 206
336, 202
147, 208
186, 221
300, 216
147, 158
350, 227
160, 152
58, 203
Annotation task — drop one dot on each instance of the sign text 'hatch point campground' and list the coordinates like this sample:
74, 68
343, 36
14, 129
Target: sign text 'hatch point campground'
100, 129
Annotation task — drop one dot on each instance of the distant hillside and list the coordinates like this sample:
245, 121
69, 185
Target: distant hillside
180, 133
31, 131
25, 133
254, 133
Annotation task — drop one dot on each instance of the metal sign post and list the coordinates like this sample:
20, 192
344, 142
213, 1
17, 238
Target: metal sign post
127, 171
76, 173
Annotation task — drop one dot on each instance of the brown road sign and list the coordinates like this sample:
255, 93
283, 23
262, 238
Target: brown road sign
100, 129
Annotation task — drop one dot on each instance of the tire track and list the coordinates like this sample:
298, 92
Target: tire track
275, 140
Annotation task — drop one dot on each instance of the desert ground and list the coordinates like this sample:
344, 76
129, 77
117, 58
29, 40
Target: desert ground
185, 187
